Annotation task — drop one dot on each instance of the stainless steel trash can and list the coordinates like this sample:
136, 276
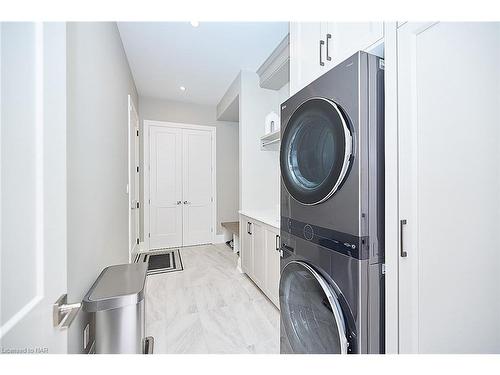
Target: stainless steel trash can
117, 299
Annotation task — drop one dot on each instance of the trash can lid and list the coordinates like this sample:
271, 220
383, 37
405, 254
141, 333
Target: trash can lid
117, 286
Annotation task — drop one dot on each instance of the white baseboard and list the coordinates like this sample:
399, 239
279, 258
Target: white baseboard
220, 238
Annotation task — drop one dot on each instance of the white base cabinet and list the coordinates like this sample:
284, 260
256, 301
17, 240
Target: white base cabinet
260, 257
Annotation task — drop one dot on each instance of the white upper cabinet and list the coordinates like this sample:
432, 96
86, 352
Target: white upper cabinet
350, 37
316, 47
305, 64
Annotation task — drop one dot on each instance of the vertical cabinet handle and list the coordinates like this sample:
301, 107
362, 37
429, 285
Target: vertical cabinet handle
277, 242
328, 37
402, 223
321, 43
249, 227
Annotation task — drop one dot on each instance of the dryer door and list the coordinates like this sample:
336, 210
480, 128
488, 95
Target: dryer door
310, 312
316, 149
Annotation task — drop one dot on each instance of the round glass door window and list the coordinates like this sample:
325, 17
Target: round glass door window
315, 151
310, 312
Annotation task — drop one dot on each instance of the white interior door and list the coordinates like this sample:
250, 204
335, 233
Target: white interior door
33, 185
197, 187
134, 208
449, 181
165, 187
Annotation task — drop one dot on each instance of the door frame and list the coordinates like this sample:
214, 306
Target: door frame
131, 178
147, 124
391, 191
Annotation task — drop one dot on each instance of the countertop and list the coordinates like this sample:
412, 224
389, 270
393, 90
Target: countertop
269, 217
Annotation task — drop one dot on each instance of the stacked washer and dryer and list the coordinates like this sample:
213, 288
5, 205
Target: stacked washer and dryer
332, 212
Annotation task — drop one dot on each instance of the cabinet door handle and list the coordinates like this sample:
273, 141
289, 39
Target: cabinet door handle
402, 223
277, 242
321, 43
328, 37
249, 227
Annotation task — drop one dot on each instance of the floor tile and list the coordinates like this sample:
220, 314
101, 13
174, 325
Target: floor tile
209, 307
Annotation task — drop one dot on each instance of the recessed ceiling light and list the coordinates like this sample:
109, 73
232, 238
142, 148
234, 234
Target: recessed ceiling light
182, 88
195, 23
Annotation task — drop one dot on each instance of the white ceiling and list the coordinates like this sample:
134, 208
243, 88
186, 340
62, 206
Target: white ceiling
166, 55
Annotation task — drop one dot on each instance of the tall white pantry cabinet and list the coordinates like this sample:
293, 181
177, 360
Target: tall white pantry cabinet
448, 95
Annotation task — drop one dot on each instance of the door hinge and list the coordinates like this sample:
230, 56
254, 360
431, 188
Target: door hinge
149, 201
211, 199
149, 235
137, 241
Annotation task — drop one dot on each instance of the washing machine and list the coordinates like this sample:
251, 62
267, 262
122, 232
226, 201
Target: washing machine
332, 212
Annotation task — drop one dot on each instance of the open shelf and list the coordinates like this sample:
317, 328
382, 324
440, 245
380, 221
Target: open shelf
270, 141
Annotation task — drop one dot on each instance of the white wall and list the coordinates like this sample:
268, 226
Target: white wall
98, 82
226, 148
260, 174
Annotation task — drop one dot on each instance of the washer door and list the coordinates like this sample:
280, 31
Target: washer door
310, 312
315, 152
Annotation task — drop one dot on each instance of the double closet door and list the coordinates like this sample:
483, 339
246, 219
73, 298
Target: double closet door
181, 186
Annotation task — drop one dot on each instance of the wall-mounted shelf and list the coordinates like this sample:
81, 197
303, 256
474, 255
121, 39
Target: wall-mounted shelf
271, 141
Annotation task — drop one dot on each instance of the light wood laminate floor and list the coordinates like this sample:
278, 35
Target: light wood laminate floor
209, 307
